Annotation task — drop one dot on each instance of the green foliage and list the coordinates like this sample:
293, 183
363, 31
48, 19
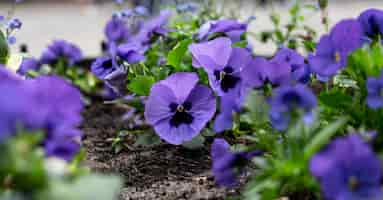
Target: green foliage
4, 49
284, 171
141, 85
365, 62
176, 55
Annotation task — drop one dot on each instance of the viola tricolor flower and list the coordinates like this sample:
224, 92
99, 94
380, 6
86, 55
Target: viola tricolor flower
61, 49
114, 75
28, 64
261, 71
178, 108
289, 99
372, 22
228, 165
333, 49
116, 31
153, 27
131, 52
348, 169
222, 63
59, 108
103, 66
300, 71
375, 92
230, 28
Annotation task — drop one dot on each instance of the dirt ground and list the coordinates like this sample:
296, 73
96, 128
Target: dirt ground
156, 172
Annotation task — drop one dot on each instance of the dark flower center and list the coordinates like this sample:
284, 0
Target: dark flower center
107, 64
287, 59
353, 183
227, 80
293, 100
374, 25
181, 114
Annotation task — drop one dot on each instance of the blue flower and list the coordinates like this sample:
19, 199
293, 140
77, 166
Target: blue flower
116, 31
114, 75
300, 71
348, 169
230, 28
372, 22
222, 63
153, 27
375, 92
261, 71
333, 49
227, 165
289, 99
28, 64
178, 108
59, 107
61, 49
131, 52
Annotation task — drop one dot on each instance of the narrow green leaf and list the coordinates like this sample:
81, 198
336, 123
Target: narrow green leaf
323, 137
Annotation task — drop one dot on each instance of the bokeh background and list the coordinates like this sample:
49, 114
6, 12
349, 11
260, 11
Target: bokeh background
82, 21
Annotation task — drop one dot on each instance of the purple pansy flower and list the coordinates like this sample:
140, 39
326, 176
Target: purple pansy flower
116, 30
261, 71
375, 92
300, 71
113, 75
348, 169
103, 66
372, 22
333, 49
131, 52
230, 28
155, 26
288, 99
222, 63
61, 49
224, 120
59, 108
178, 108
226, 163
28, 64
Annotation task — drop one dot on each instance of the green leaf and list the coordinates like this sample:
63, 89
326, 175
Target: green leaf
335, 99
141, 85
323, 137
4, 49
196, 143
177, 53
258, 107
146, 139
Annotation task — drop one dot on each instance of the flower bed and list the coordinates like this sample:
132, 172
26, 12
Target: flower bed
178, 107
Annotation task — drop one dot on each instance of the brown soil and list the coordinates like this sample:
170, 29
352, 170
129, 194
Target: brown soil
154, 172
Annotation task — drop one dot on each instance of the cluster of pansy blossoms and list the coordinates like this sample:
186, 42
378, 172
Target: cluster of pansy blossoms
177, 115
204, 92
128, 38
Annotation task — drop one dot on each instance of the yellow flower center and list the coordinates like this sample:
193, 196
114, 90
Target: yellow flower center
222, 75
353, 183
180, 108
337, 56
